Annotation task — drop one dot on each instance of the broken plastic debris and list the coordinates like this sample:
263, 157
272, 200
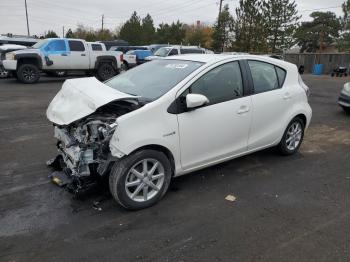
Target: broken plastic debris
96, 206
231, 198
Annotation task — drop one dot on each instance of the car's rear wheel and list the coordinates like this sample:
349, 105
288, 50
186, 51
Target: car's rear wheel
292, 137
140, 180
105, 71
28, 73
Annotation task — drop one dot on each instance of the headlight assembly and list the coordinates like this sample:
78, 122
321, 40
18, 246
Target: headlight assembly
10, 56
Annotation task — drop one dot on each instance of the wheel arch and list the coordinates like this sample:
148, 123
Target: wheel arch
160, 148
106, 59
29, 59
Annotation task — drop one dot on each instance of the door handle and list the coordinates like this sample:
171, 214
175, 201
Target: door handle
243, 109
83, 55
63, 54
287, 96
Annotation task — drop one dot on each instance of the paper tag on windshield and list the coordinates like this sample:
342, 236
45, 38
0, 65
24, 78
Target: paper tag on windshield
176, 66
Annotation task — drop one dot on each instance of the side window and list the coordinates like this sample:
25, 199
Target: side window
56, 46
264, 76
75, 45
191, 51
173, 52
281, 75
221, 84
96, 47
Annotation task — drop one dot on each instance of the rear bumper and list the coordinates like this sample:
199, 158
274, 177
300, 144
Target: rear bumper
10, 65
344, 100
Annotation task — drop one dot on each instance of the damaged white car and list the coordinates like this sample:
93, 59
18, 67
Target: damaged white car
173, 116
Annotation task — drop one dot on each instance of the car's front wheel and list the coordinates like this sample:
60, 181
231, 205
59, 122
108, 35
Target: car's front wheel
292, 137
28, 73
141, 179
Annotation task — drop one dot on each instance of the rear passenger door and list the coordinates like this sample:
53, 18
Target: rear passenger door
270, 103
79, 56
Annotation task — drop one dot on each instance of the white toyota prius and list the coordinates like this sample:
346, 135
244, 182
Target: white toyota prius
171, 117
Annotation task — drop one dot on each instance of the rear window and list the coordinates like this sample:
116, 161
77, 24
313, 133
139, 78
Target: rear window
76, 46
96, 47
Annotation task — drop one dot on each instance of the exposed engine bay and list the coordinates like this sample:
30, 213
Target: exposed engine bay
83, 146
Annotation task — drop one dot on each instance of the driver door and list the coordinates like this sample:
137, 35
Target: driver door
56, 55
219, 129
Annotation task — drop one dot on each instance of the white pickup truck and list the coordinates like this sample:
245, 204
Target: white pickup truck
63, 54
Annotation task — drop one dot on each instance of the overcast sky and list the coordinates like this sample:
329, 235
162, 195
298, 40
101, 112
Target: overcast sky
53, 15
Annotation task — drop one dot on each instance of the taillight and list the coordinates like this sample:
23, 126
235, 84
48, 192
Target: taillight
121, 57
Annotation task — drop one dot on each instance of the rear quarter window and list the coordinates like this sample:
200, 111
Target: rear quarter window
96, 47
281, 74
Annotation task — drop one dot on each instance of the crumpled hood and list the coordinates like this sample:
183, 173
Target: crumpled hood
79, 98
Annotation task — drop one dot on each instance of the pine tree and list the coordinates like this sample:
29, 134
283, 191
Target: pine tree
222, 29
148, 30
249, 27
280, 20
131, 30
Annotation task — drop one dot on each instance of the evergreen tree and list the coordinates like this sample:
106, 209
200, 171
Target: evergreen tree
69, 34
344, 40
131, 30
222, 29
51, 34
148, 30
280, 21
172, 34
249, 28
319, 33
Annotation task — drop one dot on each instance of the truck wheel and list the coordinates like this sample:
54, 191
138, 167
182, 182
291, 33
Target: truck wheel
28, 73
141, 179
105, 71
124, 66
3, 73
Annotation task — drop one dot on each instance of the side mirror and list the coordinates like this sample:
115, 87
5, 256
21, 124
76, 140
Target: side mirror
196, 100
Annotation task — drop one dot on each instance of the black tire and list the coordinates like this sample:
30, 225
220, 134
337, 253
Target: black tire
283, 147
105, 71
121, 172
346, 109
124, 66
4, 73
28, 73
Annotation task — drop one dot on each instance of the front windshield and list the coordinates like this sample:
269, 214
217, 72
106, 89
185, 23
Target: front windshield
153, 79
40, 44
162, 51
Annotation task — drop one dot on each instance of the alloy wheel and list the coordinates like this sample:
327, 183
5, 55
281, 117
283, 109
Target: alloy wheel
28, 73
294, 135
144, 180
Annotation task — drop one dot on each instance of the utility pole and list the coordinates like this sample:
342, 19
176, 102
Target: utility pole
25, 4
63, 32
220, 7
103, 17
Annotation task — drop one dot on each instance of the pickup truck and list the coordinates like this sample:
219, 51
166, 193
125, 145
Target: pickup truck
63, 54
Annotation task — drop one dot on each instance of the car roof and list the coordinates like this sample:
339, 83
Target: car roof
214, 58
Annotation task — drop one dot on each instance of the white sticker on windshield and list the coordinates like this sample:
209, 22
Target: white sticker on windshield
176, 66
